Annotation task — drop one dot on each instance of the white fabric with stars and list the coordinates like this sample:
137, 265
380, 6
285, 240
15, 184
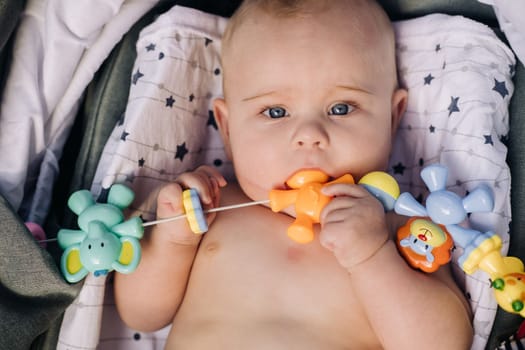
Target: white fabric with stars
168, 126
459, 79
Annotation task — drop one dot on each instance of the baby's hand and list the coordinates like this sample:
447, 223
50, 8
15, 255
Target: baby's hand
353, 224
207, 181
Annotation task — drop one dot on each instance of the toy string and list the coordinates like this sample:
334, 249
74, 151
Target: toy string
213, 210
47, 240
173, 218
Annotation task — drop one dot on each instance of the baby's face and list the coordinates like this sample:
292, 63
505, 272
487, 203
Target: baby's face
303, 94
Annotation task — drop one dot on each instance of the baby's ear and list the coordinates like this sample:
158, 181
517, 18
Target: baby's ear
399, 105
220, 110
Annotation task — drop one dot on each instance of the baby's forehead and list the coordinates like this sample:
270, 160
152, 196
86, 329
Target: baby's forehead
364, 19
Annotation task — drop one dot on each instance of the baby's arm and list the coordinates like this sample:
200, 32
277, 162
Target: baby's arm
406, 308
149, 298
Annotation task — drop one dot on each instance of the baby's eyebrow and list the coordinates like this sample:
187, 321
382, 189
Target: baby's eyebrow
338, 87
258, 96
353, 88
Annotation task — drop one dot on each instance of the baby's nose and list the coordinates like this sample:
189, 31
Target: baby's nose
311, 134
308, 143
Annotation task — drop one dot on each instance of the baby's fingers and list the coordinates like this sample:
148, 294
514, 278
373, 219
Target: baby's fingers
206, 181
345, 196
338, 189
213, 174
215, 182
348, 196
169, 200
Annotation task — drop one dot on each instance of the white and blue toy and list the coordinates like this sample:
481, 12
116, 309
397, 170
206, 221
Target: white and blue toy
105, 242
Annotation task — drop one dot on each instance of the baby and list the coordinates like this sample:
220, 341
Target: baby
307, 85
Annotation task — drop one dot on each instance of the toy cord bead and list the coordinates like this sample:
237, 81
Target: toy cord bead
517, 305
194, 213
383, 186
38, 233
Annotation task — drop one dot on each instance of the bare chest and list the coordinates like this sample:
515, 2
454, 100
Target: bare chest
248, 272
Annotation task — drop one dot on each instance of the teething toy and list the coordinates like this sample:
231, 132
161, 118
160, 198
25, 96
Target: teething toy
193, 210
305, 192
481, 250
105, 242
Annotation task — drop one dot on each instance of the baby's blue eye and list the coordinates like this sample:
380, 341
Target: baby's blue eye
341, 109
275, 112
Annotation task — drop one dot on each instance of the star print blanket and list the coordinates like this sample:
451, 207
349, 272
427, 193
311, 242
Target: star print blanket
458, 74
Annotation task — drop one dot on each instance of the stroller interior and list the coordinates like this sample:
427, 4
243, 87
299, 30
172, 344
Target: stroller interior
86, 92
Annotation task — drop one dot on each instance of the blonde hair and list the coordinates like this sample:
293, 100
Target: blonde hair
278, 8
299, 8
370, 12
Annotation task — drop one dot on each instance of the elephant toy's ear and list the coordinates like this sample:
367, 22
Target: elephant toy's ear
132, 227
80, 201
120, 196
71, 265
68, 237
130, 254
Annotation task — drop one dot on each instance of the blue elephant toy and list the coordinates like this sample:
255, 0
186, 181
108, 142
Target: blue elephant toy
105, 242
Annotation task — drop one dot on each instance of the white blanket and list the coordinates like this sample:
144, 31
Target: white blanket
459, 79
511, 22
58, 49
